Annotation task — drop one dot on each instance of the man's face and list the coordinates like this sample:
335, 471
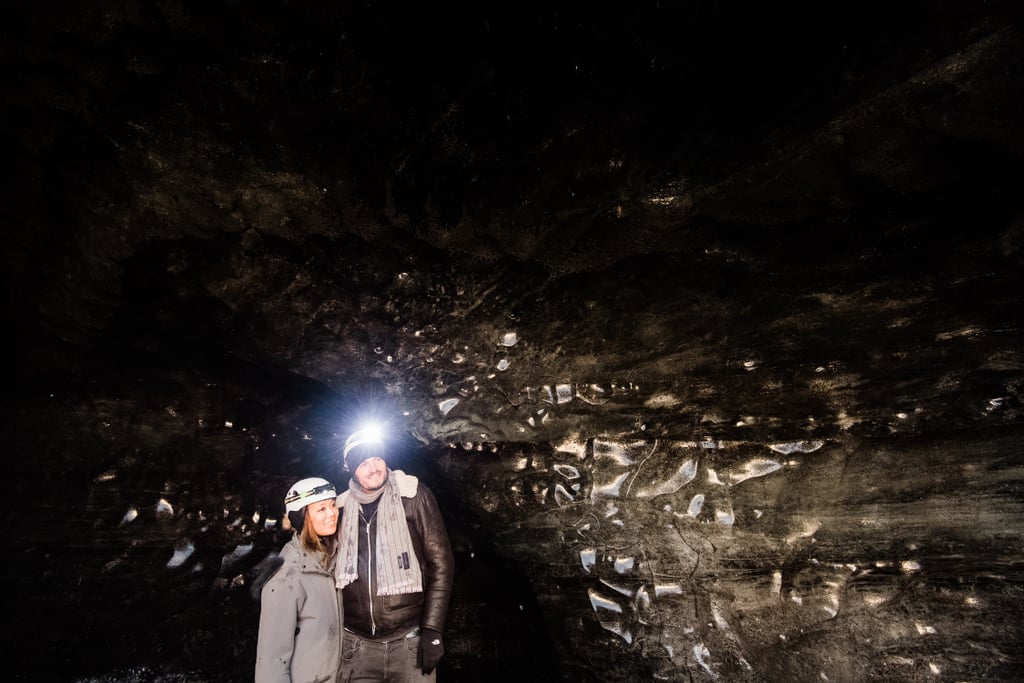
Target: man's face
371, 474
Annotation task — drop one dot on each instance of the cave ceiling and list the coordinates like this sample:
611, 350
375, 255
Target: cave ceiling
593, 231
715, 222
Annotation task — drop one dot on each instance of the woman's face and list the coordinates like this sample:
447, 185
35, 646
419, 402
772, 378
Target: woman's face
323, 515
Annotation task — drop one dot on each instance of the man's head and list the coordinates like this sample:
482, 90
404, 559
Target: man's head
371, 473
364, 458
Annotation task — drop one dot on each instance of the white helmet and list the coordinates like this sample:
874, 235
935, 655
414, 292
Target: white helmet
307, 491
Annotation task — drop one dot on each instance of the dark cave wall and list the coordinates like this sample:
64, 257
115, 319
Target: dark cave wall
864, 559
152, 499
702, 321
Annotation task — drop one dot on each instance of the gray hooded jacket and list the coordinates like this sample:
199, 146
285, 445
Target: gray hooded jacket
300, 622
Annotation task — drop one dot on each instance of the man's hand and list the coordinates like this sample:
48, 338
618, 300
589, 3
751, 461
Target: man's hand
431, 650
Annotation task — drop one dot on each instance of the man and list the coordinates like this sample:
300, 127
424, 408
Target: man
394, 570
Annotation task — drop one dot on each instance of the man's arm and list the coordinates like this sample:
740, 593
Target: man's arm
440, 563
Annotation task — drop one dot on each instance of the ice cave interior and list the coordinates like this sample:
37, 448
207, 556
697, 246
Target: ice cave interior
701, 319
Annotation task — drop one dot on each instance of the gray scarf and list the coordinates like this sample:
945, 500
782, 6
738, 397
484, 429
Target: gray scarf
398, 569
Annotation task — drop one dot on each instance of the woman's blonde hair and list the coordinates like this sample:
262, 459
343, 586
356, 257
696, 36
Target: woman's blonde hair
311, 541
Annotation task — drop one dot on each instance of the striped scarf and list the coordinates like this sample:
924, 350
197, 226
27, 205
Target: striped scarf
398, 569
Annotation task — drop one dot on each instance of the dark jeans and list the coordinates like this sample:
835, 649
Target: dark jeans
371, 661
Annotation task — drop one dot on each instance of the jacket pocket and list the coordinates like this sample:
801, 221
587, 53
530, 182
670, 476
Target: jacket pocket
402, 601
349, 647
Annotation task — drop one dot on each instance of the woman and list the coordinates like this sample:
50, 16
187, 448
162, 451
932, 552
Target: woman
300, 613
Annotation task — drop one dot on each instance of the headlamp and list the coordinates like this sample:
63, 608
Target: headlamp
369, 435
302, 495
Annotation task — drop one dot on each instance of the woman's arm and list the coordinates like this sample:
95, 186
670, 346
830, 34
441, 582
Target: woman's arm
279, 608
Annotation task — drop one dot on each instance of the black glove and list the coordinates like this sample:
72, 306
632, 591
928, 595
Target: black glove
431, 650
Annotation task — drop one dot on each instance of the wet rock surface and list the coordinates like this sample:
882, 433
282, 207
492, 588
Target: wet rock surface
704, 326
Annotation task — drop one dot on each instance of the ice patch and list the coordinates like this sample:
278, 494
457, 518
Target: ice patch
164, 509
592, 394
758, 467
910, 566
796, 446
588, 558
686, 473
616, 451
238, 552
509, 339
621, 590
610, 489
661, 590
623, 564
129, 516
446, 405
182, 551
702, 655
562, 496
696, 505
573, 446
599, 602
568, 471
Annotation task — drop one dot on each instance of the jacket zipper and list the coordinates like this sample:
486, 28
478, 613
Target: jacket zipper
369, 574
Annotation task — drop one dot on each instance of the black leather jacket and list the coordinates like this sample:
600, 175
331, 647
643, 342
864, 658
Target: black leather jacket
382, 616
